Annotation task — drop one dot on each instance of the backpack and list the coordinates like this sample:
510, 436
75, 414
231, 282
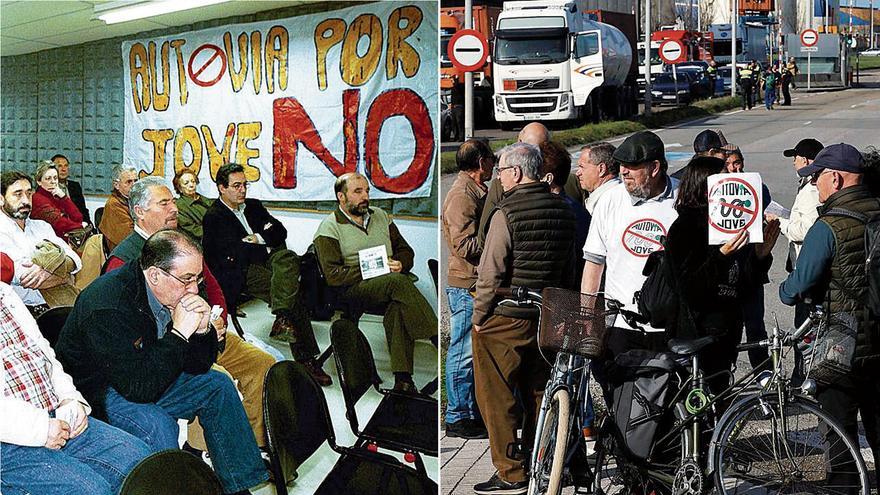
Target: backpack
872, 254
658, 300
641, 381
315, 293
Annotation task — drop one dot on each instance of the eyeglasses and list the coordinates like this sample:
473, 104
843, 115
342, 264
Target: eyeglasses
502, 169
815, 177
239, 185
186, 283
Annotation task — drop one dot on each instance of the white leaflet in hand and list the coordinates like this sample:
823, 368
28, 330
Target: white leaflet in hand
373, 262
69, 413
735, 205
777, 209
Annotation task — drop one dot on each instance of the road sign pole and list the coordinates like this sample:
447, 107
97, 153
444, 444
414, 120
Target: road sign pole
468, 78
675, 81
733, 50
647, 58
808, 70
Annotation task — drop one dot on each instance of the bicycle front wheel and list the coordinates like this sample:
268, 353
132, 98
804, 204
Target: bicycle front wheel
550, 445
793, 448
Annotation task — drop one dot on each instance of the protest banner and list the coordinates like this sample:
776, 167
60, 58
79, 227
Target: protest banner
297, 102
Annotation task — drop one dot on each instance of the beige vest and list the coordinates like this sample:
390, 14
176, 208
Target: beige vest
352, 238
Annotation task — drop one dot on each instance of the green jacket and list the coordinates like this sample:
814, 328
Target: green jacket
190, 213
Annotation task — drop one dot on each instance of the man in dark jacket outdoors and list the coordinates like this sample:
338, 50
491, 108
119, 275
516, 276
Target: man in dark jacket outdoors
139, 346
246, 248
460, 220
831, 270
519, 251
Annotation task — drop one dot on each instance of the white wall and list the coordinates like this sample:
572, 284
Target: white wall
422, 235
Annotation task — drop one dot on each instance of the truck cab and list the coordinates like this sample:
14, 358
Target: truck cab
549, 60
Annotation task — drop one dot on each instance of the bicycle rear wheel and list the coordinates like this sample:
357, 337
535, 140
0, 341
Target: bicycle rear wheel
551, 441
793, 448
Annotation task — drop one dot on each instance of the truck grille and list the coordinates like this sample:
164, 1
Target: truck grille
548, 83
531, 104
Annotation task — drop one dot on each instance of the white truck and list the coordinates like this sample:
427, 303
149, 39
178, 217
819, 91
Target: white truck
552, 62
751, 43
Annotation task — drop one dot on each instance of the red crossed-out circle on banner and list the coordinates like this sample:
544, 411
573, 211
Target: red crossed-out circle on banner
735, 208
642, 237
195, 73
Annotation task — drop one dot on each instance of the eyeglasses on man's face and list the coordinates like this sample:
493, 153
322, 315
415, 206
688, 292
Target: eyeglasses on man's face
197, 280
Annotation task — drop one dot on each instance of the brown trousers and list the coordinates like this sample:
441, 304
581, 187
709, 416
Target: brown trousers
247, 365
506, 360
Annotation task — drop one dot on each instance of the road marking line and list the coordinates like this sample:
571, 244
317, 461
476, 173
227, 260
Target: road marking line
733, 112
808, 122
673, 145
853, 106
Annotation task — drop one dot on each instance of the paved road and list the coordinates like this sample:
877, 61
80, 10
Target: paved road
851, 116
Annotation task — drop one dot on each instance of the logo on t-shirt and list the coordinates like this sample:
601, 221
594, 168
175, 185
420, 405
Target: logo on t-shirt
642, 237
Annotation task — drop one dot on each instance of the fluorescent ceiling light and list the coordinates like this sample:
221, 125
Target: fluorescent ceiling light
129, 10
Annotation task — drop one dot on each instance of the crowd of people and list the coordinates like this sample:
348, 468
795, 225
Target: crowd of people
534, 223
146, 343
775, 83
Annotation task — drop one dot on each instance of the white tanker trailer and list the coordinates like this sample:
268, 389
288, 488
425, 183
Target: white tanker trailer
552, 61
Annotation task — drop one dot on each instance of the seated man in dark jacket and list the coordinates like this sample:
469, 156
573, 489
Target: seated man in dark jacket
245, 248
140, 349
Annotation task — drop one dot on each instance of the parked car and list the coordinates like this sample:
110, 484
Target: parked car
698, 70
870, 53
722, 82
664, 89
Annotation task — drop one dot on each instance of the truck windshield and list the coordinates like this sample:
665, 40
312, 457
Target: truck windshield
722, 48
655, 56
529, 50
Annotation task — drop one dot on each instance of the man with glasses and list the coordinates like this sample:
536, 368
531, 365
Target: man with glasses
139, 347
831, 270
245, 247
517, 252
154, 209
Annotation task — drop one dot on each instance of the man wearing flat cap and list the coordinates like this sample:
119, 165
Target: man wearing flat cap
628, 222
831, 271
803, 211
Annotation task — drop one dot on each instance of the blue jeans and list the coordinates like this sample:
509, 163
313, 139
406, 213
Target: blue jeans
96, 462
212, 397
769, 97
461, 401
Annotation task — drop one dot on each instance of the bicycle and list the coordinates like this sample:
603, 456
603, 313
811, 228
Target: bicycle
772, 437
574, 329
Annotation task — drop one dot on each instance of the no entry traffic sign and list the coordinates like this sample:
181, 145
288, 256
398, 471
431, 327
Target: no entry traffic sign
734, 205
672, 52
468, 50
809, 37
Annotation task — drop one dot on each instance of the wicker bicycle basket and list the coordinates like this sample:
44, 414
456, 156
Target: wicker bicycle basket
574, 322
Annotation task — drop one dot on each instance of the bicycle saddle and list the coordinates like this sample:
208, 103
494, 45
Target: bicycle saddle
689, 347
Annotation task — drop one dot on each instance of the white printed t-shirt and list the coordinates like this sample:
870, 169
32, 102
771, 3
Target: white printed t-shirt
623, 232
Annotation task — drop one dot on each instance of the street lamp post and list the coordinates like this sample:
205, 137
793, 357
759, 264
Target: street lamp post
647, 58
733, 50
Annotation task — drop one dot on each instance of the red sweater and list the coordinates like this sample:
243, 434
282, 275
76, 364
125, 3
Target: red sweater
61, 213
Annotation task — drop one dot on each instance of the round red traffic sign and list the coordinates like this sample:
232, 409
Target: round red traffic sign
809, 37
468, 50
672, 52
